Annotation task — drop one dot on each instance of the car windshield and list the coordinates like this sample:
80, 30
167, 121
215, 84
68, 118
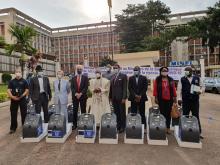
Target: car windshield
218, 81
206, 80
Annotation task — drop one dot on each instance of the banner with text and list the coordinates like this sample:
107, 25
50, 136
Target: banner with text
150, 72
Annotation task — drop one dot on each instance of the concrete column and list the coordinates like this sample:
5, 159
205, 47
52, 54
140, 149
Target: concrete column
202, 68
57, 66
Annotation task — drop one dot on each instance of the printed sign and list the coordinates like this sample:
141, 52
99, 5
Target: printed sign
150, 72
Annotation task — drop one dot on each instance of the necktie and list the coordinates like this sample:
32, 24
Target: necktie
59, 85
115, 79
78, 82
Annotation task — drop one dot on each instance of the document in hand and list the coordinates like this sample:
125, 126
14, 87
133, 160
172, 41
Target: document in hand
195, 89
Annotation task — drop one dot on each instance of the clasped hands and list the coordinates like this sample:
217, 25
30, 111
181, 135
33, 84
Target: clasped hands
97, 90
78, 95
16, 98
137, 98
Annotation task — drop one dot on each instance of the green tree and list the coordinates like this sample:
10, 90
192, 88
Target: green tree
158, 42
167, 36
2, 42
107, 60
138, 21
207, 28
23, 43
6, 77
158, 14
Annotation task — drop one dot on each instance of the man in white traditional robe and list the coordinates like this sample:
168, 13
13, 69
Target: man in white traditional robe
99, 87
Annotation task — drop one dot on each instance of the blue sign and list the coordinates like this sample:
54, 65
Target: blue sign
55, 134
39, 130
86, 133
180, 63
89, 134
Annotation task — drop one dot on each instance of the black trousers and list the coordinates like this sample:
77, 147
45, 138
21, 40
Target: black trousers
14, 112
193, 107
42, 102
165, 109
76, 103
139, 107
119, 110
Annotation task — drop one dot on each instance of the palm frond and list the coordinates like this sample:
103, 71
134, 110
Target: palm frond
10, 48
24, 36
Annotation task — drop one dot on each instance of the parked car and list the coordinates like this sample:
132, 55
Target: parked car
212, 84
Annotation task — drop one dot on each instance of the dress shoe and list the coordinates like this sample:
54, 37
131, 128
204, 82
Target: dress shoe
74, 127
168, 131
11, 131
121, 130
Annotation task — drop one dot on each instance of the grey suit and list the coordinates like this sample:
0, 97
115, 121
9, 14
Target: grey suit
40, 99
61, 96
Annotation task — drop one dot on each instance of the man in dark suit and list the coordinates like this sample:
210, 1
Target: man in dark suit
40, 92
118, 95
79, 87
137, 86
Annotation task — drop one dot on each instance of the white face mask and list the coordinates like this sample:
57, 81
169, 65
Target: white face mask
40, 73
116, 70
18, 74
136, 73
59, 76
188, 74
98, 75
164, 73
108, 69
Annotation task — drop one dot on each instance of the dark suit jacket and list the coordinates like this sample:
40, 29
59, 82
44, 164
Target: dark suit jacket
137, 89
35, 88
118, 87
84, 83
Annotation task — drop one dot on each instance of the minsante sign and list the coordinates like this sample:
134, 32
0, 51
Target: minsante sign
182, 63
150, 72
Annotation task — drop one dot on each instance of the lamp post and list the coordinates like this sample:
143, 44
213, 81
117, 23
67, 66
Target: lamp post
110, 17
86, 62
202, 67
57, 65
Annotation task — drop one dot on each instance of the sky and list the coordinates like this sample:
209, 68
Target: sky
59, 13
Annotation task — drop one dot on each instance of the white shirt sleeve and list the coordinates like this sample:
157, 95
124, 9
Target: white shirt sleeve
179, 90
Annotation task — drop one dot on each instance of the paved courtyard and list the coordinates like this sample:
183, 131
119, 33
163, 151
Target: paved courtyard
13, 152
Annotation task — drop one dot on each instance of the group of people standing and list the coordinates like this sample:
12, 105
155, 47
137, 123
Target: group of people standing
165, 94
110, 88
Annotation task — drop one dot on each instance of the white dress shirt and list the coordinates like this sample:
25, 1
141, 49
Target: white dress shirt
41, 83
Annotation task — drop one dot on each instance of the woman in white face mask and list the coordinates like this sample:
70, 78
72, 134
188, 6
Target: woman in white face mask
165, 94
100, 91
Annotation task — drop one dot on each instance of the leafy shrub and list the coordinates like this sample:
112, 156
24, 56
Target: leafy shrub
6, 78
3, 97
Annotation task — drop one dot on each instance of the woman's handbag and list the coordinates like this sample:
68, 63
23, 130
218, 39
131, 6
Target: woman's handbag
175, 113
